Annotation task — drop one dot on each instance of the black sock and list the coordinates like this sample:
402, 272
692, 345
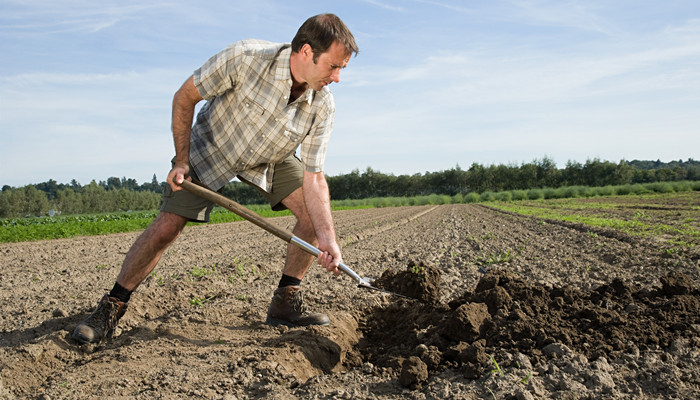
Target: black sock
288, 281
120, 293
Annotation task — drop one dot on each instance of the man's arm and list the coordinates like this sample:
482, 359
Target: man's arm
318, 204
184, 102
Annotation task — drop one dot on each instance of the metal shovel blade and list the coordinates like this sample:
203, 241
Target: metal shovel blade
361, 282
368, 286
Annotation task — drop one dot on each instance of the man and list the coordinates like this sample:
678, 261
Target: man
264, 100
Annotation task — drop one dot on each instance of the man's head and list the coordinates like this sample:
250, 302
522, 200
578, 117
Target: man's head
320, 31
321, 48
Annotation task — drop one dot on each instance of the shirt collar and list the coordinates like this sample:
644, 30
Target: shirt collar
283, 73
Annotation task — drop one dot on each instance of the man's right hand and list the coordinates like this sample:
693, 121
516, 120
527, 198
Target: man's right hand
177, 176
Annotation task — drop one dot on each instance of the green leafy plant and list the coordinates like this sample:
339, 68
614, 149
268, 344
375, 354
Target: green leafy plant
65, 385
159, 278
417, 269
242, 297
492, 393
199, 302
497, 370
526, 380
198, 272
243, 267
495, 258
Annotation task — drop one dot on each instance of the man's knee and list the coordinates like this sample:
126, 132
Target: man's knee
167, 227
295, 203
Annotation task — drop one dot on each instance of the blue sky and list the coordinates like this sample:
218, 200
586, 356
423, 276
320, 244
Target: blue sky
86, 86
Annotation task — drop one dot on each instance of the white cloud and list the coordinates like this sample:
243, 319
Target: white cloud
73, 125
384, 5
51, 17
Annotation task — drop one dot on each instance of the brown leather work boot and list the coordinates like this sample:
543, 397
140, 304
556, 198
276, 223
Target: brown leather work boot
287, 308
101, 323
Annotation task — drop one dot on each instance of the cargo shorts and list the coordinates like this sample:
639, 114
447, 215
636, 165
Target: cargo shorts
288, 177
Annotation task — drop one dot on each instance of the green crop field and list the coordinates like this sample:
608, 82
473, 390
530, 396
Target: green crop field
670, 209
672, 217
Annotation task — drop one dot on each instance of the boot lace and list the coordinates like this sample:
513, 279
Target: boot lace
297, 302
105, 317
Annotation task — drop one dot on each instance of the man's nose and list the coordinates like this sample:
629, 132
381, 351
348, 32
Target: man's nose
335, 76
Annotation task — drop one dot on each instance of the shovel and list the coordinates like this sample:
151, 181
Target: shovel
287, 236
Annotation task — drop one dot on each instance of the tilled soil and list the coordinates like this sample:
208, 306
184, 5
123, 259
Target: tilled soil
508, 307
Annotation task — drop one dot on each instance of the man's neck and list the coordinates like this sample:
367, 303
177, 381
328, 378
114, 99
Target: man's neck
297, 90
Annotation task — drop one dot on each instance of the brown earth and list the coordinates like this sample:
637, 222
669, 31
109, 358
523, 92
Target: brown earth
509, 307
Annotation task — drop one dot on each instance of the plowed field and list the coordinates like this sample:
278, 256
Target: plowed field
512, 307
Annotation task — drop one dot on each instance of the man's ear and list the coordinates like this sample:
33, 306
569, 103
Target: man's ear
306, 51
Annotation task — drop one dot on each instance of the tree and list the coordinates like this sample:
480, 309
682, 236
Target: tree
35, 201
68, 202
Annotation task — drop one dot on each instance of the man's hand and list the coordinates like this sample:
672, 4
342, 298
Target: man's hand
331, 258
177, 176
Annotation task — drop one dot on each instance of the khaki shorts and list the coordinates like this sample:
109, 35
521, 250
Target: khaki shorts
288, 177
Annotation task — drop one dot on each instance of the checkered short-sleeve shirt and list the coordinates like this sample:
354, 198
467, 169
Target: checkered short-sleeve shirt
246, 126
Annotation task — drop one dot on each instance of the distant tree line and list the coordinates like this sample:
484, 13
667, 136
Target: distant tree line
49, 197
122, 194
495, 178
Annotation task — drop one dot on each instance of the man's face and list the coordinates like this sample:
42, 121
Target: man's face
327, 67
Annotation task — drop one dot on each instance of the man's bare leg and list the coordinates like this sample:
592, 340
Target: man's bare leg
148, 249
138, 263
298, 261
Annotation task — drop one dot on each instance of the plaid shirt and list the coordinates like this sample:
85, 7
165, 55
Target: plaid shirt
246, 126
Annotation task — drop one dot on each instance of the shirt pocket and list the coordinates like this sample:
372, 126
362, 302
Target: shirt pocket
253, 116
292, 129
293, 136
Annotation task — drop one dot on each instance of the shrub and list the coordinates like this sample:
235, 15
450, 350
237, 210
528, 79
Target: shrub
550, 193
518, 194
487, 196
604, 191
471, 197
660, 187
682, 186
504, 196
535, 194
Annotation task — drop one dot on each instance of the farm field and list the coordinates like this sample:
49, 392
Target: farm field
555, 304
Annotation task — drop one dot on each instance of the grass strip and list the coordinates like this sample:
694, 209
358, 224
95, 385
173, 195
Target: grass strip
61, 227
570, 212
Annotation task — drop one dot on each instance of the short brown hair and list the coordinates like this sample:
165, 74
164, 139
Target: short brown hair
320, 31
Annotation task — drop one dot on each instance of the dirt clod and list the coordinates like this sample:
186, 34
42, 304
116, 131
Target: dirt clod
414, 373
466, 323
418, 281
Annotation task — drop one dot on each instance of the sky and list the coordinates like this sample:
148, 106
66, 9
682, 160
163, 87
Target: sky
86, 86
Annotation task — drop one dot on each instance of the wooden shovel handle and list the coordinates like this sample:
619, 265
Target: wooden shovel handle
236, 208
